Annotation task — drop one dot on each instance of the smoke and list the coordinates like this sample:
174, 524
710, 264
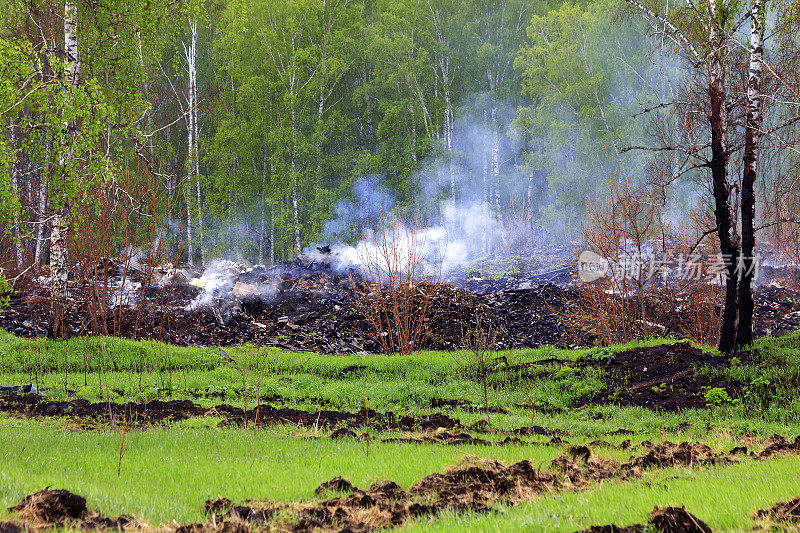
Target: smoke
368, 202
463, 194
441, 248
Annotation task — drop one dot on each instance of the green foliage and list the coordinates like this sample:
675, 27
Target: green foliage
585, 74
717, 396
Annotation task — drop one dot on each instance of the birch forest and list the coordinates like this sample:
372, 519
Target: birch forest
251, 129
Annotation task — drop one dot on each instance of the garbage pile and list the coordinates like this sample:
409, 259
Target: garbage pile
307, 304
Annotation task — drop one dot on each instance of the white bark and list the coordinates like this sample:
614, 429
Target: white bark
444, 61
495, 159
263, 231
42, 209
58, 235
295, 199
193, 164
754, 98
200, 236
485, 174
17, 243
272, 235
71, 60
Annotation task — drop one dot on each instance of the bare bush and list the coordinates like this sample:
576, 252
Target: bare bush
479, 360
400, 278
656, 282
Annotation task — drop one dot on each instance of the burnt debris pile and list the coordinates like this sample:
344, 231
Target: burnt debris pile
307, 304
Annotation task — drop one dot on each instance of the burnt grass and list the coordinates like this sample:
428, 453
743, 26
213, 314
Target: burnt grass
477, 486
157, 411
312, 309
666, 377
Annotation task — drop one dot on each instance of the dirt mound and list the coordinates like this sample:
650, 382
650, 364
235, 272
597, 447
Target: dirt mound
475, 487
441, 436
660, 377
782, 511
662, 519
677, 520
337, 484
613, 528
581, 466
668, 454
778, 444
156, 411
51, 506
60, 508
149, 412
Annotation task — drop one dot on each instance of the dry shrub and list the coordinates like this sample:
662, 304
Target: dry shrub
698, 299
517, 224
479, 357
785, 236
115, 239
400, 279
628, 228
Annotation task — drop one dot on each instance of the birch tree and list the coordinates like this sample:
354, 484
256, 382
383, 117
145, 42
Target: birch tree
706, 35
58, 230
193, 156
753, 124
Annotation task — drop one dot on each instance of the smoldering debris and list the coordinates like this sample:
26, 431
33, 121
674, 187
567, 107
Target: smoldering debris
307, 304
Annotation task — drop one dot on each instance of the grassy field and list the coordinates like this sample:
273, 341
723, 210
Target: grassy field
167, 471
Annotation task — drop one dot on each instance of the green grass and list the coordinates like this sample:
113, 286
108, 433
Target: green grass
167, 474
168, 471
724, 497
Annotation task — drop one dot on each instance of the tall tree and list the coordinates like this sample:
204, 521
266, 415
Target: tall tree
753, 123
58, 233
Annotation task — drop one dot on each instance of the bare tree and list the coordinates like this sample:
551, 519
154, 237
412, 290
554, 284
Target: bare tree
744, 333
716, 106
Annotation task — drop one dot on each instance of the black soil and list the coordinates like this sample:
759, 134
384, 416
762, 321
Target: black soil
665, 377
154, 412
662, 519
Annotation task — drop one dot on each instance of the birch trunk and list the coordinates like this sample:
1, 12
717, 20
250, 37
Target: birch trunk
193, 163
718, 119
57, 329
485, 174
272, 235
17, 243
744, 332
496, 161
263, 233
201, 239
295, 200
233, 242
448, 137
42, 210
189, 228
